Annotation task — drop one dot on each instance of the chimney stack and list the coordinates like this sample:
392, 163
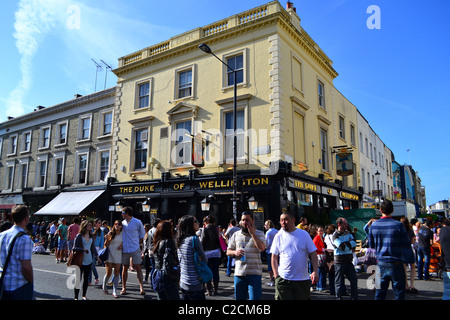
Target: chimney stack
290, 5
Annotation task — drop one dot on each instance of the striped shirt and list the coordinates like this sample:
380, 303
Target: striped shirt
252, 264
189, 279
389, 239
21, 251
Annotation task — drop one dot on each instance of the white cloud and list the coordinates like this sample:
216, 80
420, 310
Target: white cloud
34, 19
86, 32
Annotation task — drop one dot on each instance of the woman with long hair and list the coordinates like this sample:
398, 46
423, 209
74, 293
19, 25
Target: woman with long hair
166, 257
113, 241
84, 242
190, 284
409, 258
212, 248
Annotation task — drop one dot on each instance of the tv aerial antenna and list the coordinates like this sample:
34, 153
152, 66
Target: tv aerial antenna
106, 70
99, 68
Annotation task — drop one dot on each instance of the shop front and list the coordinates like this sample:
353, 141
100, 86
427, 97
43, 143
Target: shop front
173, 197
201, 195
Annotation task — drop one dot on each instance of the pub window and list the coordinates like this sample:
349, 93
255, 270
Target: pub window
323, 148
183, 143
321, 93
341, 127
140, 149
143, 95
229, 137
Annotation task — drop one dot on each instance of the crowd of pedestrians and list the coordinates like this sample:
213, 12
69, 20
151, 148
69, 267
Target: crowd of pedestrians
300, 258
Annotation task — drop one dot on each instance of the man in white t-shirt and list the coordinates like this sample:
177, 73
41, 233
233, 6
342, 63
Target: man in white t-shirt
291, 250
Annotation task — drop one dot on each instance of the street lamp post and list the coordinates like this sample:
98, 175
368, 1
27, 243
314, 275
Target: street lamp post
378, 188
207, 49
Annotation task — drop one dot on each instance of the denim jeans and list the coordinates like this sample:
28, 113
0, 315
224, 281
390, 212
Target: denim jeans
423, 253
388, 272
446, 295
229, 265
347, 270
248, 286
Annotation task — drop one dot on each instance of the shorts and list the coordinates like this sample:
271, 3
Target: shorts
62, 244
135, 258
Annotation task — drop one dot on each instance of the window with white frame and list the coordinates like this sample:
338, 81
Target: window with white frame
84, 128
143, 95
23, 174
341, 127
324, 148
12, 145
9, 176
229, 135
236, 63
184, 84
41, 171
183, 143
61, 133
352, 135
26, 142
321, 93
103, 165
140, 149
58, 168
81, 167
106, 122
44, 137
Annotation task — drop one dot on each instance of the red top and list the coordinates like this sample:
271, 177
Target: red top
320, 245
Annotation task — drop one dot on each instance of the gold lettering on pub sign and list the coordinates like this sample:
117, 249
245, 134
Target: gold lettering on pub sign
137, 189
228, 183
349, 196
305, 186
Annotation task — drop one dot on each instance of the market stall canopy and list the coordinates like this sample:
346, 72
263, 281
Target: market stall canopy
70, 203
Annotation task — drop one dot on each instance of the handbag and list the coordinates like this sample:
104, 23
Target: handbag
8, 257
103, 254
204, 272
75, 258
168, 275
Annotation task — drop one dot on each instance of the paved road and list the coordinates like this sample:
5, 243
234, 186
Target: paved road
51, 284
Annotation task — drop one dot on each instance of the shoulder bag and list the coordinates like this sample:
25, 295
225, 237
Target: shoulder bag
169, 274
75, 256
8, 257
204, 272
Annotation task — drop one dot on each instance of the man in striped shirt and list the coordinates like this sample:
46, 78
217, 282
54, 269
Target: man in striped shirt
18, 280
246, 246
389, 239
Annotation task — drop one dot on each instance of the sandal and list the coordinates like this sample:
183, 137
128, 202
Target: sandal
123, 292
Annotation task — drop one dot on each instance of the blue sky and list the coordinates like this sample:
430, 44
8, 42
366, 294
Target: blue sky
397, 76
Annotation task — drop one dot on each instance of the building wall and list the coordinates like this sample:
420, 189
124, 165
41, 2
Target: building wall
68, 113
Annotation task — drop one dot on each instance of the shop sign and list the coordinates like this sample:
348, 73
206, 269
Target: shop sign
228, 183
349, 196
329, 191
344, 163
297, 184
146, 188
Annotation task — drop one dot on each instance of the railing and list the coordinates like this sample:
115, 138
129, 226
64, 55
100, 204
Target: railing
217, 27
